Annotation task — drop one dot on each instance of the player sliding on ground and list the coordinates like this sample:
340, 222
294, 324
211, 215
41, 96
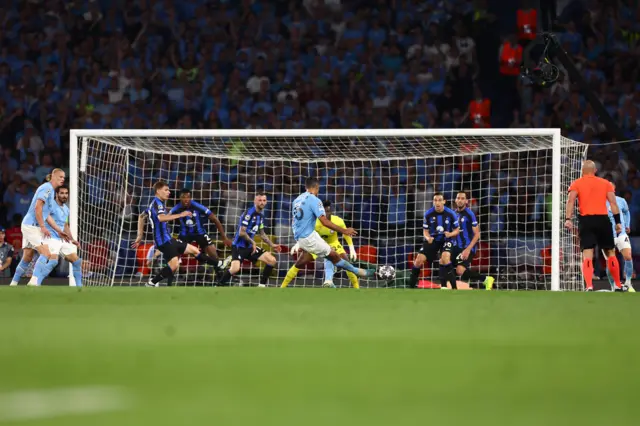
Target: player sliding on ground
61, 241
592, 194
191, 228
244, 247
440, 229
34, 229
467, 242
171, 248
622, 242
331, 237
307, 208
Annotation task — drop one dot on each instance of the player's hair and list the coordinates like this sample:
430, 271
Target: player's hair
326, 203
435, 194
311, 182
61, 187
260, 193
185, 191
159, 185
466, 194
50, 175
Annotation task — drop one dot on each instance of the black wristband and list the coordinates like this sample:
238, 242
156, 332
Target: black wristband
616, 217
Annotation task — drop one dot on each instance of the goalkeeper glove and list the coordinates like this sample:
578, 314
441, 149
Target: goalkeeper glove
352, 254
295, 249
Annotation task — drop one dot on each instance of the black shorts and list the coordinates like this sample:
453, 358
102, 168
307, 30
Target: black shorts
173, 248
459, 262
203, 241
432, 251
244, 253
595, 231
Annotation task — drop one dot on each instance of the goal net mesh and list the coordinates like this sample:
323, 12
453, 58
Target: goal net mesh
381, 186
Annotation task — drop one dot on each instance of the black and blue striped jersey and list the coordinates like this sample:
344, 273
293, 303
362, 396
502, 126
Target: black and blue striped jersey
437, 223
467, 220
253, 221
160, 230
190, 226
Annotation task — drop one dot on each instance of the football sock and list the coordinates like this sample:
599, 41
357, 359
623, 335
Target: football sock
614, 268
292, 273
20, 270
77, 272
587, 272
226, 277
266, 273
413, 280
628, 270
166, 272
329, 269
50, 265
353, 279
39, 270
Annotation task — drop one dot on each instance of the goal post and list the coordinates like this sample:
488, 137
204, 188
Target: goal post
379, 179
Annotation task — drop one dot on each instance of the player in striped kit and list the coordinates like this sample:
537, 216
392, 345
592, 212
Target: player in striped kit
467, 242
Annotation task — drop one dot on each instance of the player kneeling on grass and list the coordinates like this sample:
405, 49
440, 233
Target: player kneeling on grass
331, 237
244, 247
61, 241
622, 242
440, 229
467, 242
34, 230
307, 209
171, 248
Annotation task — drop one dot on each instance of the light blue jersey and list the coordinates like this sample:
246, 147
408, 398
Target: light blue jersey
60, 215
306, 209
46, 193
625, 216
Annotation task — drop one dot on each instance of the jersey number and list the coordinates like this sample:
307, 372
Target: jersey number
298, 213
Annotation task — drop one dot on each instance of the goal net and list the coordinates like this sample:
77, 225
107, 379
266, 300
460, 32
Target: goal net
380, 182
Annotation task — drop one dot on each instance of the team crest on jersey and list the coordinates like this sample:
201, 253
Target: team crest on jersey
462, 219
446, 221
247, 217
433, 219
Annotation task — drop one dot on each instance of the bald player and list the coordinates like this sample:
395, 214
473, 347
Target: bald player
592, 194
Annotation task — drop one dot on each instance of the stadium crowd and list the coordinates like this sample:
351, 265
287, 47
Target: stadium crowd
310, 64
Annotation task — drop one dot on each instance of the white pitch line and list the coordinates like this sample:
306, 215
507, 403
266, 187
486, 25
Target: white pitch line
36, 404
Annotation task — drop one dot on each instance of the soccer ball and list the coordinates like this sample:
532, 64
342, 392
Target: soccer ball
386, 272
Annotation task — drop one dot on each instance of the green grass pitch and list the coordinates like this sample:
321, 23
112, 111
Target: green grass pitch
306, 357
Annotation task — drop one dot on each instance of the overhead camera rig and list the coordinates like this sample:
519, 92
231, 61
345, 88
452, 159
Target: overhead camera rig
539, 69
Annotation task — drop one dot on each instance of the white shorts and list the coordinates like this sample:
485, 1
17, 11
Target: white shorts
60, 247
31, 236
622, 242
314, 244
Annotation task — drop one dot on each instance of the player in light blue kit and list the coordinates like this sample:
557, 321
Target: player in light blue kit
34, 230
306, 209
622, 242
61, 241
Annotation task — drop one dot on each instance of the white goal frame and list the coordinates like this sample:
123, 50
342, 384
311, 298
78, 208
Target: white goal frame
78, 164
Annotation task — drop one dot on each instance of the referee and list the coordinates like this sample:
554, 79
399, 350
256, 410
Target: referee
594, 224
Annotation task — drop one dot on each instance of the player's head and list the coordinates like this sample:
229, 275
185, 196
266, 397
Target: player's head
185, 197
260, 200
327, 208
438, 201
62, 194
56, 177
589, 168
462, 199
312, 185
161, 189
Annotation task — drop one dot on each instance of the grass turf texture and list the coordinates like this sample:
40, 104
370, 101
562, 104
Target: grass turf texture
325, 357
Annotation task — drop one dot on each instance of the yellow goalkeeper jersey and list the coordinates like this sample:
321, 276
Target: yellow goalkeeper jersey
331, 236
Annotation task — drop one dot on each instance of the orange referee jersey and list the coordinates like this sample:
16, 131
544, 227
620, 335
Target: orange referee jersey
592, 194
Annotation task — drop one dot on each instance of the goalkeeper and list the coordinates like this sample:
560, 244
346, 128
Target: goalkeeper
331, 237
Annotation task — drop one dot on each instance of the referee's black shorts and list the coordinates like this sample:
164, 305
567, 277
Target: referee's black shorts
173, 248
595, 230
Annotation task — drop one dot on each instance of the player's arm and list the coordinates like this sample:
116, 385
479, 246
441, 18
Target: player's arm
615, 210
7, 262
52, 223
142, 219
569, 208
40, 218
243, 234
213, 218
344, 231
347, 238
67, 231
456, 227
626, 215
267, 240
163, 217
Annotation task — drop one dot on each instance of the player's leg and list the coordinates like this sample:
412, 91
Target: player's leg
605, 240
269, 261
171, 251
47, 261
341, 263
238, 254
23, 265
447, 270
588, 241
72, 257
292, 273
330, 269
418, 264
624, 247
467, 274
353, 278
